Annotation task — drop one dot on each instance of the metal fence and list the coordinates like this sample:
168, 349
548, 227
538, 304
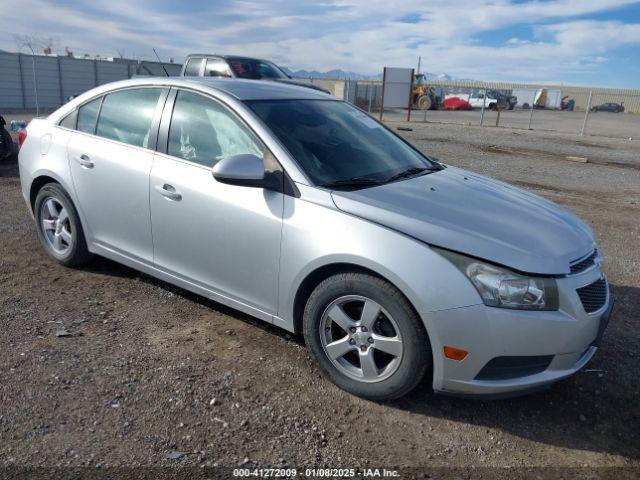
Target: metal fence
34, 82
574, 110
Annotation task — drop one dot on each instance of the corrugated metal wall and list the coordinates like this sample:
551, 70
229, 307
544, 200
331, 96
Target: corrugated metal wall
58, 78
11, 87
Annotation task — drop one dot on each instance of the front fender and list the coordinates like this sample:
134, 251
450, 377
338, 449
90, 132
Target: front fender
315, 236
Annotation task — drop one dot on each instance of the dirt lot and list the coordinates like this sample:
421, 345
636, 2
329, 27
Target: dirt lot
603, 124
150, 369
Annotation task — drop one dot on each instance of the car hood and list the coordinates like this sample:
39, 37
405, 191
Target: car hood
477, 216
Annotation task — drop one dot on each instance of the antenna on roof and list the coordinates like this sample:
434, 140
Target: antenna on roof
158, 57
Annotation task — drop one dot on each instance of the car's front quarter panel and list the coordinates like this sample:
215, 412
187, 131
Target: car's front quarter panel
316, 234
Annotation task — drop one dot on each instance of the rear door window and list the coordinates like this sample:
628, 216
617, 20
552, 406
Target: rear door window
87, 116
126, 115
193, 67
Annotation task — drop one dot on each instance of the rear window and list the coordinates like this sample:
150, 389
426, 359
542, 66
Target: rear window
193, 67
126, 115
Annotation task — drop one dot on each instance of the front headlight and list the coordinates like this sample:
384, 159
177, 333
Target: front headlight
500, 287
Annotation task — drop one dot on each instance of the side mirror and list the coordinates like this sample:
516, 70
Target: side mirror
245, 170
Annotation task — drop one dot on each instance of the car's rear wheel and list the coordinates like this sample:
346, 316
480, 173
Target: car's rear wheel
59, 228
366, 337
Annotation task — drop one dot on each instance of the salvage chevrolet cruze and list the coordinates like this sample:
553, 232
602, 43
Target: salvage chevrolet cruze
303, 211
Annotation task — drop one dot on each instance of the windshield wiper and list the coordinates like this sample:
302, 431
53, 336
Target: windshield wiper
353, 182
410, 172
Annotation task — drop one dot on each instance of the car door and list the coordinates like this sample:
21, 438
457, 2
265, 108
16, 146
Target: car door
110, 157
220, 237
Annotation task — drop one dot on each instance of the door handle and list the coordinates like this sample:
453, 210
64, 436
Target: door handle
85, 161
169, 191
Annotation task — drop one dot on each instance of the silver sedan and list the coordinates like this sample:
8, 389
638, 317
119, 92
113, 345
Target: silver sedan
303, 211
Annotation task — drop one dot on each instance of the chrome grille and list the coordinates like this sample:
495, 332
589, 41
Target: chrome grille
594, 296
581, 265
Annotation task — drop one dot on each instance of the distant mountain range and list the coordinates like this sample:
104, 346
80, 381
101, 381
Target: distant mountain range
342, 75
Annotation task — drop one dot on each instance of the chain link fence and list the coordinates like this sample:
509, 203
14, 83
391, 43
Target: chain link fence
571, 110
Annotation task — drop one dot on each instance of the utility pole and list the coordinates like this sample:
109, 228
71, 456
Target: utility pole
26, 41
35, 79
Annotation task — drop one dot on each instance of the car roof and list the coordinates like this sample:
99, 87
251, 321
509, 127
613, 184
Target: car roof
259, 89
240, 89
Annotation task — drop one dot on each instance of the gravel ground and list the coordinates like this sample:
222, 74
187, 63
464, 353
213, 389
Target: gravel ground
602, 124
151, 375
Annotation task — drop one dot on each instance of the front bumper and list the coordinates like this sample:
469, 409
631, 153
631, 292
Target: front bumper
570, 336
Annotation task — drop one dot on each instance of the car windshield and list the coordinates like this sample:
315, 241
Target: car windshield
255, 69
334, 142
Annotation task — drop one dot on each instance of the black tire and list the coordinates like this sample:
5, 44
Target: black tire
78, 254
424, 102
7, 147
416, 358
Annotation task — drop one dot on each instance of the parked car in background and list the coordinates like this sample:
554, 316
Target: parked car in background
228, 66
506, 101
608, 107
456, 103
303, 211
476, 100
6, 142
567, 103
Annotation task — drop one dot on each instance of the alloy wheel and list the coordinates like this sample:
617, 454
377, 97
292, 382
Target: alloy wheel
361, 339
56, 226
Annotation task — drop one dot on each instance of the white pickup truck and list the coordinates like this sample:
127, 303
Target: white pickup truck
476, 99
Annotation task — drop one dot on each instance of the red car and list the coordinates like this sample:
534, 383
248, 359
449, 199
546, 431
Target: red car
456, 103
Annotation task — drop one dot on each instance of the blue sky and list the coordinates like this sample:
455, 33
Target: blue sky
584, 42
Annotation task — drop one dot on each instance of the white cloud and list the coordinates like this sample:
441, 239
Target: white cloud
355, 35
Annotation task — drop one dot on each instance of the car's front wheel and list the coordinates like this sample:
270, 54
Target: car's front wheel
59, 228
366, 337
